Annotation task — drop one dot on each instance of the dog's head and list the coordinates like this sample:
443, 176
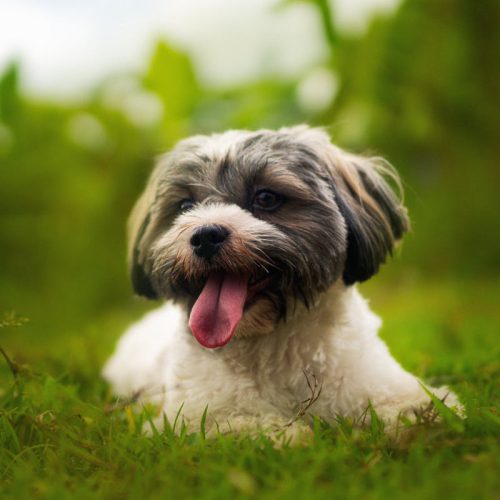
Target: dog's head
241, 225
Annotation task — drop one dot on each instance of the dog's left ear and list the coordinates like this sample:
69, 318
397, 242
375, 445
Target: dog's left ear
375, 217
140, 232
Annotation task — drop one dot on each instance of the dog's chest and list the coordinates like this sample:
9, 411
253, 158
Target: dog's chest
283, 374
282, 371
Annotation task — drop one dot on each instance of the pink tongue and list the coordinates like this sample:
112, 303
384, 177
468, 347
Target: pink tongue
218, 309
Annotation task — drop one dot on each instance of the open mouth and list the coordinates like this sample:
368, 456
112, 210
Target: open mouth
221, 305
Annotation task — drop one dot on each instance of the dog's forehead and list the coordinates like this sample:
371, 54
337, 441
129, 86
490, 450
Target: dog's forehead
254, 149
233, 161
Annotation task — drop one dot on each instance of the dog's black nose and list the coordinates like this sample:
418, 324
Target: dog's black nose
207, 240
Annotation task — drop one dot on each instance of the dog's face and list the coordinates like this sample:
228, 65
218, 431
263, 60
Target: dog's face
240, 226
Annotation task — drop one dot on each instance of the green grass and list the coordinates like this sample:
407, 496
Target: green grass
59, 438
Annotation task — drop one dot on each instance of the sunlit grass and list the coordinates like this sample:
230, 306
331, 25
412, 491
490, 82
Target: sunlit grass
59, 438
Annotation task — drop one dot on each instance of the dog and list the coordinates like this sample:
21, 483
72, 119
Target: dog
256, 241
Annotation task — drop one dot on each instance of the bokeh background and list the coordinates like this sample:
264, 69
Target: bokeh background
91, 92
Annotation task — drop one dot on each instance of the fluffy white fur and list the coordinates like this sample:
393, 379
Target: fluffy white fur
260, 382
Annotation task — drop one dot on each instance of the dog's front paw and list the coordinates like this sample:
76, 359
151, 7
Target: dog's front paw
295, 434
400, 417
449, 398
277, 429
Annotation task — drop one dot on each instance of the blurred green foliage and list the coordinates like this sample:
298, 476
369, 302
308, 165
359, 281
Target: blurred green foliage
419, 88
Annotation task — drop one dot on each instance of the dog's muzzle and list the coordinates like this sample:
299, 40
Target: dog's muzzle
219, 307
215, 252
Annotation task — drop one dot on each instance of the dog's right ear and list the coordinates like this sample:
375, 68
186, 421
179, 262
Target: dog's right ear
139, 239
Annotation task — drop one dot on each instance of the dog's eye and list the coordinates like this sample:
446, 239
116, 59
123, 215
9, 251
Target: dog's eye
267, 200
186, 204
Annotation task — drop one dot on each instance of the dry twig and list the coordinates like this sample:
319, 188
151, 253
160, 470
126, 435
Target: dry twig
315, 387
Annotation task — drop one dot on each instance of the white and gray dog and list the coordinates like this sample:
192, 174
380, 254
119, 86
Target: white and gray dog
256, 241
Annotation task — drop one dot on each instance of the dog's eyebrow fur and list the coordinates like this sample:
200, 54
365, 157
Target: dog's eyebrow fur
282, 180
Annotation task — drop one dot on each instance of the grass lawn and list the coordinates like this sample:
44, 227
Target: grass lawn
59, 439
